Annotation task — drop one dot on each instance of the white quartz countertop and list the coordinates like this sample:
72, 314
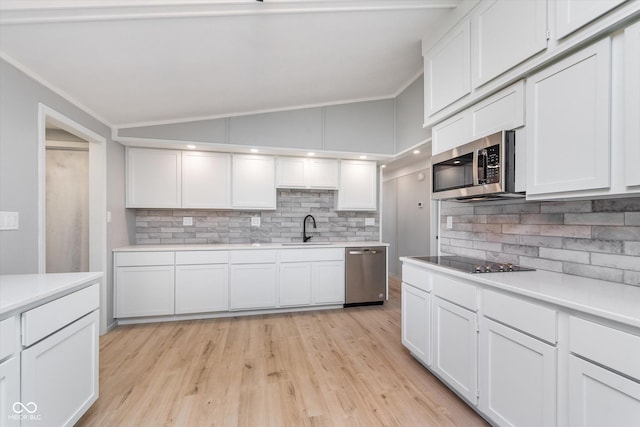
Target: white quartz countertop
610, 300
23, 291
243, 246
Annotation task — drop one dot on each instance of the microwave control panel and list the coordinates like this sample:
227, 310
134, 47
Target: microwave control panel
489, 165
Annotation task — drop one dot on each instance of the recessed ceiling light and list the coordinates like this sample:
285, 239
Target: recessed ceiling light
383, 166
311, 154
416, 151
363, 157
191, 146
456, 162
254, 150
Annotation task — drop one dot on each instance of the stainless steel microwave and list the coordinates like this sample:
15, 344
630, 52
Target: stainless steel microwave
480, 170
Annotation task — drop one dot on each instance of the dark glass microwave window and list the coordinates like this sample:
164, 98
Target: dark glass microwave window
453, 173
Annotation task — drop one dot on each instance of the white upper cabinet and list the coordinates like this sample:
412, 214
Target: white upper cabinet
254, 182
153, 178
574, 14
447, 68
298, 172
358, 185
568, 122
206, 180
632, 104
501, 111
506, 33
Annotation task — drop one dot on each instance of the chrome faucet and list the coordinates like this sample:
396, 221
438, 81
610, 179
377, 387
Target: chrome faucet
306, 238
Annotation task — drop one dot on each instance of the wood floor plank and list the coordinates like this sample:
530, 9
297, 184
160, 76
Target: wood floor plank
322, 368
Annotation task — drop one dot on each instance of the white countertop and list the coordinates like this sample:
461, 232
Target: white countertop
23, 291
242, 246
610, 300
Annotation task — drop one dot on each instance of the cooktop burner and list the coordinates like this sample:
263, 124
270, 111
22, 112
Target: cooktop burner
472, 265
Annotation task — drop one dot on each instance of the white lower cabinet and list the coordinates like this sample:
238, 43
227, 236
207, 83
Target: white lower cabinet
69, 357
416, 322
9, 391
599, 397
517, 377
201, 288
455, 347
253, 286
145, 291
295, 284
327, 282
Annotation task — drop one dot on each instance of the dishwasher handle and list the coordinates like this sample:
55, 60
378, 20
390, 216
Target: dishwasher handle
363, 252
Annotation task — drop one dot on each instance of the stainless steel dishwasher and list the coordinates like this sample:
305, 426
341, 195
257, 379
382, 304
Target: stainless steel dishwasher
365, 275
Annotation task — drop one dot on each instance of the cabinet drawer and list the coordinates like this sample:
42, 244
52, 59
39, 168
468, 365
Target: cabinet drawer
7, 337
133, 259
253, 257
610, 347
202, 257
48, 318
522, 315
416, 276
307, 255
456, 292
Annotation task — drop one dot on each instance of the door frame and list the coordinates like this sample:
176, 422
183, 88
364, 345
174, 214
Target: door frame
97, 196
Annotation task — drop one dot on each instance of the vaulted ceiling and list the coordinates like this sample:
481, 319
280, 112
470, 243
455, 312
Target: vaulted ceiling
141, 61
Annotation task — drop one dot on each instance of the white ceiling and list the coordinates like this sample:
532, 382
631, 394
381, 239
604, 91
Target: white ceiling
142, 62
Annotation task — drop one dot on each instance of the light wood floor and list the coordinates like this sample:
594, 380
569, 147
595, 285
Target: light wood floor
324, 368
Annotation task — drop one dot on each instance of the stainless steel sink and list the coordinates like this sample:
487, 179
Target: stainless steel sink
306, 244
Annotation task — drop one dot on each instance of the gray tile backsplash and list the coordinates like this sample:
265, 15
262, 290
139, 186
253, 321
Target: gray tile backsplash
599, 238
162, 226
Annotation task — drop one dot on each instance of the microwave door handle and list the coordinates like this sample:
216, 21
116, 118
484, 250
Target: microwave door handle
482, 167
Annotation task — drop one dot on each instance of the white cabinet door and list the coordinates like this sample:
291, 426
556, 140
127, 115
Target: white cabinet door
327, 281
253, 286
60, 373
323, 173
358, 185
573, 14
452, 132
455, 347
506, 33
517, 377
295, 284
416, 322
153, 178
632, 104
447, 69
568, 118
599, 397
144, 291
202, 288
206, 180
10, 392
290, 172
254, 182
502, 111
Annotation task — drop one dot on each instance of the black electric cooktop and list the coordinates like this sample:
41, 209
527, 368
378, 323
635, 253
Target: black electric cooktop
471, 265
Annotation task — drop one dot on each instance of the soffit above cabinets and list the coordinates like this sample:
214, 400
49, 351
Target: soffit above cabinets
147, 62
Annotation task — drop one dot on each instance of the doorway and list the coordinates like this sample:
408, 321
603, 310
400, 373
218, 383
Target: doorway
67, 201
95, 179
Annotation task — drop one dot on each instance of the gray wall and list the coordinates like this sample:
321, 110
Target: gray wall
155, 226
410, 116
598, 239
19, 98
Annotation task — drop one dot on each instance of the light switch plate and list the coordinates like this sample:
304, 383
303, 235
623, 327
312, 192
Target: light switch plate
108, 217
187, 220
9, 220
255, 221
369, 221
449, 222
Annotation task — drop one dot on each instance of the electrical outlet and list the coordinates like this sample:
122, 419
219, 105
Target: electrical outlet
255, 221
108, 217
369, 221
449, 222
9, 220
187, 220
